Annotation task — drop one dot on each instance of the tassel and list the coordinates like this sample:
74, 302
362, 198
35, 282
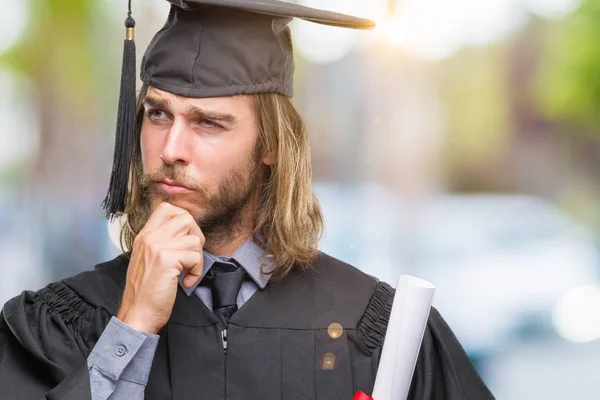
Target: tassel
118, 192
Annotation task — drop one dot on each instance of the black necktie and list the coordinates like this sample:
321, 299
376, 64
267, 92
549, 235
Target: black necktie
225, 283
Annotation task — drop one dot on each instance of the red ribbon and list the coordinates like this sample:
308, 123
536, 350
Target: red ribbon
361, 396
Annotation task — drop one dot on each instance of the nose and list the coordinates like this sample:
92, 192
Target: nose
176, 146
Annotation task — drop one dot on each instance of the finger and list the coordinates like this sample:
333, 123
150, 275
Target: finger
195, 230
163, 213
198, 268
180, 259
188, 258
181, 224
188, 226
190, 280
184, 242
194, 274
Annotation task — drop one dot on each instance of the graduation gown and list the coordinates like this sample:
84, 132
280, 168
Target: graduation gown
278, 341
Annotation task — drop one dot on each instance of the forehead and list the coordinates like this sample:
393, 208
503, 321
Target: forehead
238, 105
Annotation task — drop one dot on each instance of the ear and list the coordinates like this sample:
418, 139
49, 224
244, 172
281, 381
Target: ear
270, 159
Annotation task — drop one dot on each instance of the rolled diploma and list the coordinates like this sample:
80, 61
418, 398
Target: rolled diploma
408, 319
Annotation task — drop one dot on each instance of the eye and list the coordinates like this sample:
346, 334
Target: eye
156, 115
209, 124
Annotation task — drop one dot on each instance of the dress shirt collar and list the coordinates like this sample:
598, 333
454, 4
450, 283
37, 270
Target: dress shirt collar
249, 255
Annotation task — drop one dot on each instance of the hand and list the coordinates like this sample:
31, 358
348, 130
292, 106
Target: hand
170, 242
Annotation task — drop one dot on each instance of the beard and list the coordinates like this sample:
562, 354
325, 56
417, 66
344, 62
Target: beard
218, 212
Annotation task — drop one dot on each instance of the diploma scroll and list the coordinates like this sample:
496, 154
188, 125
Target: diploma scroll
408, 319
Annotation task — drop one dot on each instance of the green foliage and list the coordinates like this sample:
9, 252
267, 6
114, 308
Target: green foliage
474, 90
568, 85
58, 46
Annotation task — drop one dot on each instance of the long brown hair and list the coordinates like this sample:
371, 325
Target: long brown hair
288, 221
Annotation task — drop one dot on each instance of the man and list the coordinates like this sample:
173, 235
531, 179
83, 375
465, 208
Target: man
220, 292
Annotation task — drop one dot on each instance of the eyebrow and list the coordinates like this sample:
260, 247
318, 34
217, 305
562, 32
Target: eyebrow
192, 110
212, 115
155, 102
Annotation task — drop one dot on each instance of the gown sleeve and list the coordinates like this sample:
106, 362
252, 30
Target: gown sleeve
45, 338
443, 370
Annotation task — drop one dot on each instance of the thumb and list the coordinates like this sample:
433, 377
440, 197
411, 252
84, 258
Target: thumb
190, 280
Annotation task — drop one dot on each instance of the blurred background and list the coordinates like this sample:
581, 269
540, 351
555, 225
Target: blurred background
459, 141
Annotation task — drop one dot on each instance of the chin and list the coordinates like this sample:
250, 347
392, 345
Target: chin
189, 204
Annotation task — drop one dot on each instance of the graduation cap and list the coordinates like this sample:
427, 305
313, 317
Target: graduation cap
210, 48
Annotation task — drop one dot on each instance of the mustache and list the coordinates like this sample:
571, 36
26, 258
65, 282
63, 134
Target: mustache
171, 173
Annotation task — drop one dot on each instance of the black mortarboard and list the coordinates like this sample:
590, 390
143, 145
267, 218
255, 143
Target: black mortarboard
210, 48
